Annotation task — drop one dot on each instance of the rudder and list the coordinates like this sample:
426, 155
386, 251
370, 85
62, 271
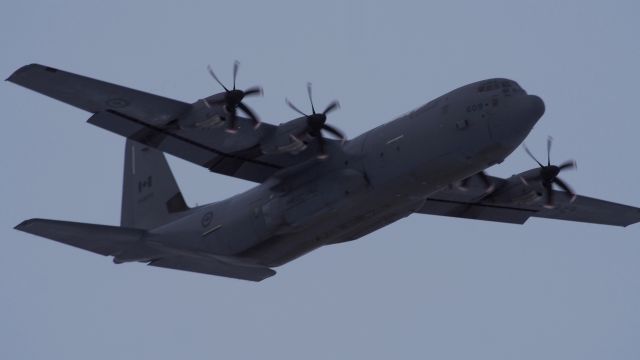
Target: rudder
150, 194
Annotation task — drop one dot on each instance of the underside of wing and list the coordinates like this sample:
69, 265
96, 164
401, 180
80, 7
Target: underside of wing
194, 145
95, 96
476, 211
595, 211
514, 202
194, 132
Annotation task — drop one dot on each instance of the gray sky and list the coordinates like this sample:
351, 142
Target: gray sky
425, 287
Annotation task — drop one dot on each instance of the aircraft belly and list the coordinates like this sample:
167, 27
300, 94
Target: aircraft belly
322, 198
346, 222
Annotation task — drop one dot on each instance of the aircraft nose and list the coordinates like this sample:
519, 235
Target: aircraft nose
536, 106
510, 127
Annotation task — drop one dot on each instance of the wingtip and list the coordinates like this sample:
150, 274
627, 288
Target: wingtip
266, 276
24, 225
636, 220
27, 68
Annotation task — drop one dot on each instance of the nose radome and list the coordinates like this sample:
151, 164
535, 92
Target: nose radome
536, 106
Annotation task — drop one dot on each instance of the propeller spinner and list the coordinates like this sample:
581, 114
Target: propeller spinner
548, 176
316, 122
232, 100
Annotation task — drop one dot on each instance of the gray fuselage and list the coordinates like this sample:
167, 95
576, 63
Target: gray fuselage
369, 182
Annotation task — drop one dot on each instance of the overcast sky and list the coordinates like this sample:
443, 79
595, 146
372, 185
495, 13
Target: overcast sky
423, 288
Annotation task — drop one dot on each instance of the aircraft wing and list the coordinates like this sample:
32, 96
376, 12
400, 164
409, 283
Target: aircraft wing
165, 124
503, 206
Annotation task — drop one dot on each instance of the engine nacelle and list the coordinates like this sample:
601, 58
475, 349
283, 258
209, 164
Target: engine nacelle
284, 139
518, 191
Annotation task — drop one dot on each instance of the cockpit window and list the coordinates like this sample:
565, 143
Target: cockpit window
511, 87
507, 86
488, 86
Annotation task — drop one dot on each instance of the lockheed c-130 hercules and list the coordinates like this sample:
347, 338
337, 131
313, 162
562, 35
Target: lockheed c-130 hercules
313, 191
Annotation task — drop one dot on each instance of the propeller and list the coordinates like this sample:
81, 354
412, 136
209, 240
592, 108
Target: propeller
232, 100
548, 175
316, 122
489, 186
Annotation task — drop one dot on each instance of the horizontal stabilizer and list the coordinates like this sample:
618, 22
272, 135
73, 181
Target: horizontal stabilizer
100, 239
211, 266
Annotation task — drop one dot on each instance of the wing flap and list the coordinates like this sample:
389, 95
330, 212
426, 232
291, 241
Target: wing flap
179, 143
211, 266
478, 211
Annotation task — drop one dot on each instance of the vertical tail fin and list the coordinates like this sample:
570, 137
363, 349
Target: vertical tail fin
150, 194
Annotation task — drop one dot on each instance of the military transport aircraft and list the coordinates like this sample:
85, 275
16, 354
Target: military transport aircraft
313, 191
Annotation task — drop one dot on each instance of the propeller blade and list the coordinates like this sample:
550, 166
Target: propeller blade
334, 131
570, 164
488, 184
213, 75
334, 105
295, 108
236, 65
247, 110
254, 90
565, 187
531, 155
231, 122
464, 184
321, 153
549, 193
549, 142
313, 109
